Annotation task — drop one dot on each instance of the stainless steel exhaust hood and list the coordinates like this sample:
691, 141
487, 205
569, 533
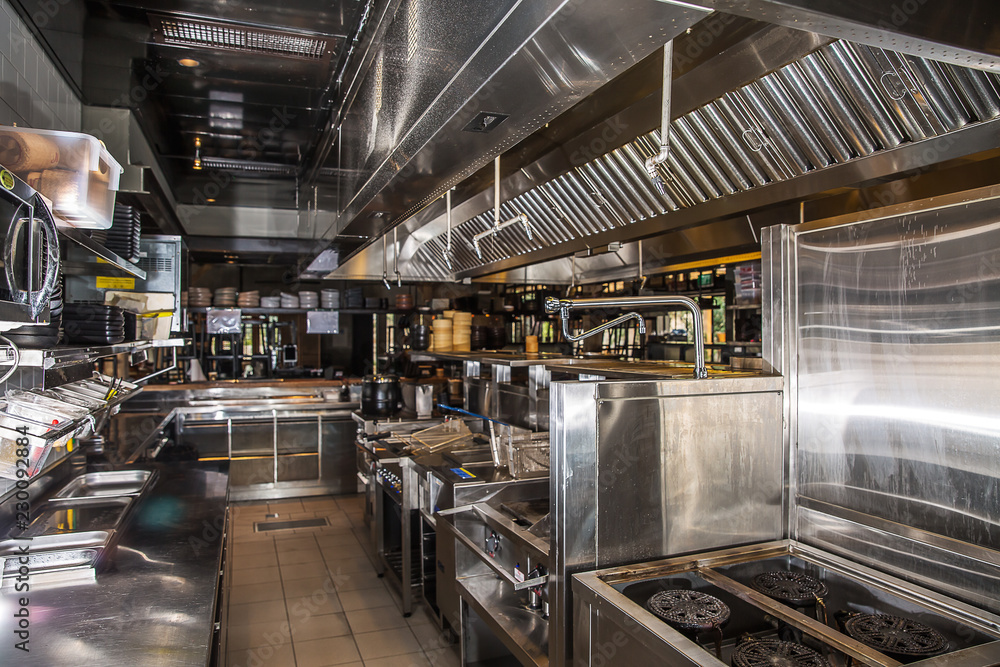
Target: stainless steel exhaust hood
839, 116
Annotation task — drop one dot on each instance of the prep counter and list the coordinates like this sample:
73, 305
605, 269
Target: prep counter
157, 601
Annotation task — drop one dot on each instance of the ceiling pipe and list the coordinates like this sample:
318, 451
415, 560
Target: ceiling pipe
385, 271
565, 306
447, 247
653, 163
395, 258
497, 225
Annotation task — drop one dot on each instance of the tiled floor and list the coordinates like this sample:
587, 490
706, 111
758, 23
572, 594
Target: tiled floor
311, 597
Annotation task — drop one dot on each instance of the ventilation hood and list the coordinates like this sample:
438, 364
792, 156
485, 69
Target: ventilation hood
806, 116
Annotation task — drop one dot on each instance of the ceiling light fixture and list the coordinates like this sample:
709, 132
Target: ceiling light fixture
188, 62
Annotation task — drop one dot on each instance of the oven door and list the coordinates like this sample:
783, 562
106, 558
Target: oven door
30, 251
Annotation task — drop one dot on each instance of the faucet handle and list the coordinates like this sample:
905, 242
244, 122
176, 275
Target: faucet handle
552, 304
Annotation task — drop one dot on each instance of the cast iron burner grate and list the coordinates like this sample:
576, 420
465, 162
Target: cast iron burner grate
895, 635
793, 588
689, 610
776, 653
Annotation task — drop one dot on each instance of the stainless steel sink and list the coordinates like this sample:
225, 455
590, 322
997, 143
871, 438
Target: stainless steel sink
105, 484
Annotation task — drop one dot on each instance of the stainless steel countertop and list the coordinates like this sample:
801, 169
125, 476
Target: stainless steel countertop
154, 604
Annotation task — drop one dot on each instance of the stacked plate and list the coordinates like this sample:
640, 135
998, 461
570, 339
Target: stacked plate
123, 235
89, 324
442, 340
225, 297
329, 299
248, 299
308, 299
199, 297
461, 332
289, 300
270, 302
404, 302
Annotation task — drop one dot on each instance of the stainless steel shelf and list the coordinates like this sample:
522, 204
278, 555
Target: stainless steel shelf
57, 357
77, 236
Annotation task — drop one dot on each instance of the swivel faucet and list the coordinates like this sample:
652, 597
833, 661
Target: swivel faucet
565, 306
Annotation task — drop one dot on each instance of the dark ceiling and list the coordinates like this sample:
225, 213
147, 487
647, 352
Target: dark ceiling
260, 82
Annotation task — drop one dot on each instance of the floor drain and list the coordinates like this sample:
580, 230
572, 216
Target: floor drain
271, 526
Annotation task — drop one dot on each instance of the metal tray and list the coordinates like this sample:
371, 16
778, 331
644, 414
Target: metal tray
80, 515
105, 484
50, 553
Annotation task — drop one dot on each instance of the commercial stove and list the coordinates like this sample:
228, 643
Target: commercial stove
779, 603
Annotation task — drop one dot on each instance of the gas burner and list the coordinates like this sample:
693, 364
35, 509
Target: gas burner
776, 653
794, 588
895, 635
689, 610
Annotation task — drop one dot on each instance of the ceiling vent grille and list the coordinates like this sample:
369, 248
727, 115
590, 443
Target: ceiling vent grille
193, 32
228, 164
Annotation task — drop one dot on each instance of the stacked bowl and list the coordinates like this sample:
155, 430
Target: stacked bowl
309, 300
199, 297
249, 299
461, 331
442, 340
225, 297
289, 300
329, 299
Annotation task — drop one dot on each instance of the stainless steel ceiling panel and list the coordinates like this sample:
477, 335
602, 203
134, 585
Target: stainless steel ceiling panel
537, 45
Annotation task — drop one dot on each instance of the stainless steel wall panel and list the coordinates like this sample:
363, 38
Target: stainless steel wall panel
795, 121
895, 326
833, 99
673, 481
861, 90
809, 101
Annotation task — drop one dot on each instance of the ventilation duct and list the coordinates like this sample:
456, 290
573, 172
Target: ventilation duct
842, 103
203, 33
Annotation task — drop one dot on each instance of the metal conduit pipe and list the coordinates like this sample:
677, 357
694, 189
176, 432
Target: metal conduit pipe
653, 163
564, 306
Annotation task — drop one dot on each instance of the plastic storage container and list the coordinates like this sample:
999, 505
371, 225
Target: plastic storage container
74, 171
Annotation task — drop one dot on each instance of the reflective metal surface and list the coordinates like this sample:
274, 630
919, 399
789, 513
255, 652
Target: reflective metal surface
610, 622
838, 112
156, 606
892, 343
649, 469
